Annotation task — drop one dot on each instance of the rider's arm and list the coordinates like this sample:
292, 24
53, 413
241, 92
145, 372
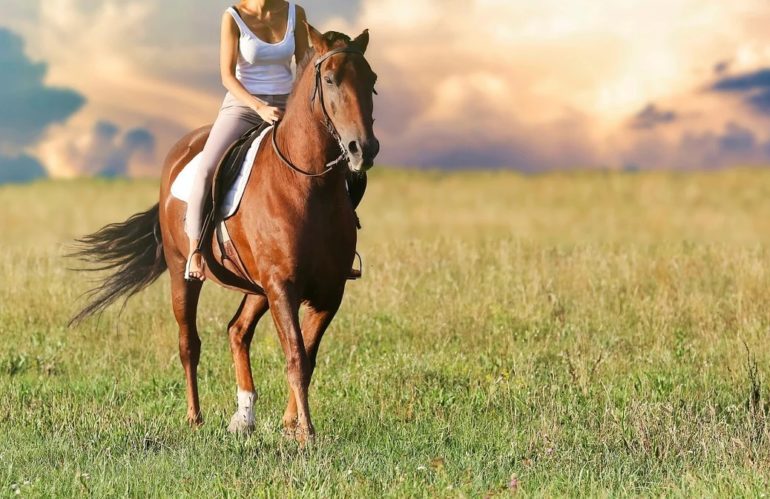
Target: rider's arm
228, 58
300, 35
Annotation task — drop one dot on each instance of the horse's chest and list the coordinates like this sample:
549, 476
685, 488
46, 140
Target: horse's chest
326, 241
315, 245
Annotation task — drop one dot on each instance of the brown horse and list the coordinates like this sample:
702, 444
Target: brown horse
295, 230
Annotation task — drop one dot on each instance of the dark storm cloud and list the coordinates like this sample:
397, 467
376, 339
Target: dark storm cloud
754, 86
27, 108
27, 105
650, 117
750, 81
140, 139
20, 169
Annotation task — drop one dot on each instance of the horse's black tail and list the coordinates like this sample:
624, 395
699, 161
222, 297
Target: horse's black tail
132, 250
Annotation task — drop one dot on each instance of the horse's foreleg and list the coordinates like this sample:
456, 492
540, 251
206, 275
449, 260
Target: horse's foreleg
284, 306
241, 331
314, 324
290, 414
184, 296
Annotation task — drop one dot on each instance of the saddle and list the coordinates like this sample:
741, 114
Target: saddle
230, 165
225, 176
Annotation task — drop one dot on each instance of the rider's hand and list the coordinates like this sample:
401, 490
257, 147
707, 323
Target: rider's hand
269, 113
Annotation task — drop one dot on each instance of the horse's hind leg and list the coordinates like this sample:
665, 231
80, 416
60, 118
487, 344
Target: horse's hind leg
314, 324
241, 331
184, 296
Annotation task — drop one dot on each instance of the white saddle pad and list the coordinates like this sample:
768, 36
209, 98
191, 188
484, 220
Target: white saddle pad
183, 183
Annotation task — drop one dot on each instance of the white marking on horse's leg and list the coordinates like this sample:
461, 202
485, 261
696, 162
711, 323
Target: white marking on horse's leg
246, 401
243, 419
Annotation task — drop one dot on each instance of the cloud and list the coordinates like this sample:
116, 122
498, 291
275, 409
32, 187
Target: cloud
105, 150
144, 60
551, 84
651, 117
21, 168
722, 67
27, 105
756, 80
737, 139
142, 64
755, 86
109, 51
492, 83
734, 144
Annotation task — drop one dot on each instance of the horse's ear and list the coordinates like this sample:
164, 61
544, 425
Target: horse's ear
362, 40
316, 39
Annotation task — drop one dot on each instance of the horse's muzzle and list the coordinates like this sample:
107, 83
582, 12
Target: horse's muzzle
363, 154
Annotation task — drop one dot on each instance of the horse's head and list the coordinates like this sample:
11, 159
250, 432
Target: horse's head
344, 86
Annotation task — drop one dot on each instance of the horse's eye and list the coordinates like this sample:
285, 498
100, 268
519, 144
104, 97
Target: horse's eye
328, 80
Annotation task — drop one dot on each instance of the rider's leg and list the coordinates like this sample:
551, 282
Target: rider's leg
233, 120
356, 183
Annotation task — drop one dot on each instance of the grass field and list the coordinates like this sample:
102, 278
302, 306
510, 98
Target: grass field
567, 334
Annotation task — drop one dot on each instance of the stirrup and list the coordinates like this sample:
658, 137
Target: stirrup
187, 276
357, 273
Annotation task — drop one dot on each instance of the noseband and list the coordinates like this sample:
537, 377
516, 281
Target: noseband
327, 121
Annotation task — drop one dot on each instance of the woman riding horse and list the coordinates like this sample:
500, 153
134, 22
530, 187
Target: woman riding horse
294, 232
258, 40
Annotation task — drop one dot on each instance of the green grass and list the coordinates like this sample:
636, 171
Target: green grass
586, 334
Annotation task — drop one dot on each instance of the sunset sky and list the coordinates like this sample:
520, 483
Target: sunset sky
106, 86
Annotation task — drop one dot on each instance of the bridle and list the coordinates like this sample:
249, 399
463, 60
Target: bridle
327, 121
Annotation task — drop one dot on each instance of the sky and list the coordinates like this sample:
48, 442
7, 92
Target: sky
106, 86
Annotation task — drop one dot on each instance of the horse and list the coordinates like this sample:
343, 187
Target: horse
295, 231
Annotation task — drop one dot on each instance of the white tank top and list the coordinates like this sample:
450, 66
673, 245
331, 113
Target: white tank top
265, 68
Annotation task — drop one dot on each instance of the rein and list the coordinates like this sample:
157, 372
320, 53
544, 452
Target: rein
327, 121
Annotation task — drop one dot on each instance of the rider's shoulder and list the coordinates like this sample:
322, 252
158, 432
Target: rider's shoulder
226, 13
228, 20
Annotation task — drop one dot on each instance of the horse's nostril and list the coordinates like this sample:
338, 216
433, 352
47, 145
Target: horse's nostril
353, 147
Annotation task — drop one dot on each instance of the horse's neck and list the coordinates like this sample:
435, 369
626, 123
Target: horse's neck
304, 138
307, 144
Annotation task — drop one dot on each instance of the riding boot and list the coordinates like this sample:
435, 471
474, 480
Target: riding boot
356, 187
355, 273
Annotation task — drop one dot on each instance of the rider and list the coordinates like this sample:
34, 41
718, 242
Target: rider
258, 40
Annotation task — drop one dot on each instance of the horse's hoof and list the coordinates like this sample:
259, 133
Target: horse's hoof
290, 424
240, 425
304, 436
195, 421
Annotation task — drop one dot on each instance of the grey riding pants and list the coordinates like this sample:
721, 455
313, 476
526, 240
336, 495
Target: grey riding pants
233, 120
